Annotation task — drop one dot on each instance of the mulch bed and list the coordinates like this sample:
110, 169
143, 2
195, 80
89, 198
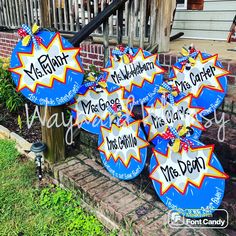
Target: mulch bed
10, 121
33, 134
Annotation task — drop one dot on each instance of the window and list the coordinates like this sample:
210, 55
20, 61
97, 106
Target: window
195, 4
190, 4
181, 4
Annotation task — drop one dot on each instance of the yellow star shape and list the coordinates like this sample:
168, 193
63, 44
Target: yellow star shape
136, 80
182, 76
82, 117
119, 153
159, 109
181, 182
56, 40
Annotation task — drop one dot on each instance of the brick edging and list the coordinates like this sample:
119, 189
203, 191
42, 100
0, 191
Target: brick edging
22, 145
133, 212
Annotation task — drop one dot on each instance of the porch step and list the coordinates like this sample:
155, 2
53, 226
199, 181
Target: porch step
130, 206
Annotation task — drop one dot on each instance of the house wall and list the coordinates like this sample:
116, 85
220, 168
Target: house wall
213, 22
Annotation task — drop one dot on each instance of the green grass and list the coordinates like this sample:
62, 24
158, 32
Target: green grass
26, 210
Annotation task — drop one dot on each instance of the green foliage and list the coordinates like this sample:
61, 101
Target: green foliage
42, 212
92, 69
66, 209
19, 122
8, 95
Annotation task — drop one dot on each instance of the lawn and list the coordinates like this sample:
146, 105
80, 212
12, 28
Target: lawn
28, 210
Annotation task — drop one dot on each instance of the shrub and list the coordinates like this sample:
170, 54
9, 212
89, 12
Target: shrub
9, 98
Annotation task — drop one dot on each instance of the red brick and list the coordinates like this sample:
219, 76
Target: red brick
15, 37
101, 57
87, 61
103, 195
93, 164
232, 67
111, 212
131, 187
102, 188
173, 60
102, 50
91, 49
83, 54
99, 49
147, 219
87, 47
135, 204
116, 198
160, 225
231, 80
83, 47
166, 68
96, 49
189, 232
106, 173
77, 176
225, 64
92, 56
13, 45
87, 179
161, 58
94, 184
98, 63
77, 169
167, 59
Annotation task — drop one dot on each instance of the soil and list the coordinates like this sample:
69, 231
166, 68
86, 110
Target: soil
10, 121
33, 134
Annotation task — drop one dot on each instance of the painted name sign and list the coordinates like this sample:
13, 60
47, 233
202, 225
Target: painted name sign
204, 74
178, 170
49, 74
92, 104
135, 73
122, 143
160, 116
44, 66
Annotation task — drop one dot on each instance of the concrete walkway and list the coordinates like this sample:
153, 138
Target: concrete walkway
209, 46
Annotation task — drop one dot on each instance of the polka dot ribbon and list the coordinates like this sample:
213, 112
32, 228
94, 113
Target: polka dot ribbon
95, 81
186, 58
178, 140
27, 34
168, 92
121, 52
117, 116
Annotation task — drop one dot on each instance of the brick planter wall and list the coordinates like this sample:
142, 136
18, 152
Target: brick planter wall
94, 54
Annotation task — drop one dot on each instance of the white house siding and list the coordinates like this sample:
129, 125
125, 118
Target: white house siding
213, 22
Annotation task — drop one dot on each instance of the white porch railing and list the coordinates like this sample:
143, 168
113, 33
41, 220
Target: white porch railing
139, 17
